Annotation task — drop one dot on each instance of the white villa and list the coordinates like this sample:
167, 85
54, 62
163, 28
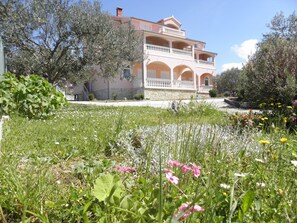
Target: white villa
174, 66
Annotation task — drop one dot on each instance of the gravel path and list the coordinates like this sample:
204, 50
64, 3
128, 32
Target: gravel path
217, 102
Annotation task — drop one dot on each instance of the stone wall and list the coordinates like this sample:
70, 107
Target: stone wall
168, 94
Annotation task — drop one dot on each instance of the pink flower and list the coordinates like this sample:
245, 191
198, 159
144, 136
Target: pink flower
196, 170
168, 170
124, 169
185, 168
193, 209
172, 163
171, 178
295, 103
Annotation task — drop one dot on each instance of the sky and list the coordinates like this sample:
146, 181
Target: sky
230, 28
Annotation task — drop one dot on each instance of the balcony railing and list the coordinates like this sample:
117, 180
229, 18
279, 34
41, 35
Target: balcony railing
182, 52
164, 49
173, 32
183, 84
166, 83
205, 62
158, 48
157, 82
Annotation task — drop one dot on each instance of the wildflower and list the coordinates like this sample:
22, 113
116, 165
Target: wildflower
57, 143
260, 184
259, 160
242, 174
171, 178
289, 107
283, 140
280, 191
225, 194
264, 142
285, 119
193, 209
124, 169
225, 186
172, 163
168, 170
294, 162
196, 170
185, 168
295, 103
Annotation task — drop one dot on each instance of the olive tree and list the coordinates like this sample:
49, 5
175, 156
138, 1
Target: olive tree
64, 39
228, 81
271, 73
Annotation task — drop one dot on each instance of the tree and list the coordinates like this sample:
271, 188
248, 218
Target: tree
271, 73
63, 39
227, 81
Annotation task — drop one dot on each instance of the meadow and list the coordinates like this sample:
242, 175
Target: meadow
142, 164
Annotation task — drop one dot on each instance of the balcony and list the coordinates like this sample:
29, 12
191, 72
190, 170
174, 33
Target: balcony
166, 83
205, 63
168, 50
172, 32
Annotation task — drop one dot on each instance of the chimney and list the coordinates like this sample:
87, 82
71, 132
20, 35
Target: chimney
119, 12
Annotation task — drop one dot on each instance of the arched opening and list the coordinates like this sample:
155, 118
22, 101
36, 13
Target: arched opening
206, 79
158, 70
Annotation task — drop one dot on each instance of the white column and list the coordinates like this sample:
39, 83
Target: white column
144, 73
170, 46
193, 51
195, 87
171, 77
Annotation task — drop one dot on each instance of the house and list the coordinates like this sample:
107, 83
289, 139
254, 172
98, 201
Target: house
174, 66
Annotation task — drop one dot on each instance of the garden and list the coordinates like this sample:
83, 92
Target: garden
140, 164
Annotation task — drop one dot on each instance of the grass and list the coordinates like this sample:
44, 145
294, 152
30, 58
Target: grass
49, 168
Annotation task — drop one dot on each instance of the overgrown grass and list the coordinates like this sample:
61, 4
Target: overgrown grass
62, 169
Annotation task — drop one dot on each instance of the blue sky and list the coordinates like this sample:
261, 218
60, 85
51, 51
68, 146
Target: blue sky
230, 28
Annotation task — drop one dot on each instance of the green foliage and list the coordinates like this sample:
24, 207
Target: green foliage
271, 73
228, 82
139, 96
91, 96
31, 96
213, 93
64, 39
273, 117
55, 170
107, 188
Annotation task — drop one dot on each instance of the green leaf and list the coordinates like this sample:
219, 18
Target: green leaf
247, 200
108, 186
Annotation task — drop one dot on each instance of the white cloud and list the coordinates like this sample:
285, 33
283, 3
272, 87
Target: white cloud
245, 49
228, 66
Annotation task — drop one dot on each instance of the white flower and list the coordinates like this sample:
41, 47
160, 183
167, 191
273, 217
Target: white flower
259, 160
260, 184
294, 162
242, 174
57, 143
225, 186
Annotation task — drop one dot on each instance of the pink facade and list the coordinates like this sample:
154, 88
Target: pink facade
173, 64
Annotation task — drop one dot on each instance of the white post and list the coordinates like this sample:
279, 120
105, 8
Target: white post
171, 77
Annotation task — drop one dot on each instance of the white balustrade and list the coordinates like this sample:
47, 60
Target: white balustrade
205, 62
158, 48
157, 82
171, 31
183, 84
182, 52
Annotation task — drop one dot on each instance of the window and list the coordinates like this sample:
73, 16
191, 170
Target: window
126, 74
206, 81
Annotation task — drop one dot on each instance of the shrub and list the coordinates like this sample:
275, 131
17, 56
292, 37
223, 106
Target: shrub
91, 96
31, 96
139, 96
212, 93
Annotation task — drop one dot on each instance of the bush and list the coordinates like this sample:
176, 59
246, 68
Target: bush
31, 96
139, 96
212, 93
91, 96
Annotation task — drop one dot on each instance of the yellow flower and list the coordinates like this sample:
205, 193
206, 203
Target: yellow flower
225, 194
285, 119
280, 191
290, 107
264, 142
283, 140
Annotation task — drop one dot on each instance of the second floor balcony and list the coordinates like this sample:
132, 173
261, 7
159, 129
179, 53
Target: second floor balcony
168, 50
